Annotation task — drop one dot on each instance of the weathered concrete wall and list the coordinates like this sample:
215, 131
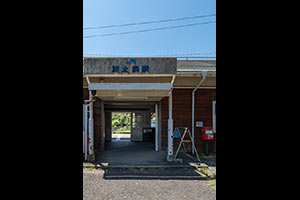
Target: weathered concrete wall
195, 65
142, 120
105, 65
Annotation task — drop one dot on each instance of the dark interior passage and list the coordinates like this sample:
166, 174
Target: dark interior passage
134, 144
136, 120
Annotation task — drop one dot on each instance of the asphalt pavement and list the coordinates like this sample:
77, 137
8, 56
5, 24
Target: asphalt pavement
153, 184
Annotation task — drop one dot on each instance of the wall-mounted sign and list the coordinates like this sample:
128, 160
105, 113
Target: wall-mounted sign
199, 124
130, 66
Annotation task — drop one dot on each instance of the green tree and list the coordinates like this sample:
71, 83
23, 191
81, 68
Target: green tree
121, 121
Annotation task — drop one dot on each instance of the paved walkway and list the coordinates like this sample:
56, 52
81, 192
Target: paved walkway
126, 152
99, 184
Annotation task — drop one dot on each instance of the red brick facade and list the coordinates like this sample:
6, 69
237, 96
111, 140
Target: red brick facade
85, 94
182, 113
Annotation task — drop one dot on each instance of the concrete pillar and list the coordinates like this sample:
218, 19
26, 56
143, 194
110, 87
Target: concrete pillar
91, 131
108, 133
170, 131
156, 127
102, 126
159, 126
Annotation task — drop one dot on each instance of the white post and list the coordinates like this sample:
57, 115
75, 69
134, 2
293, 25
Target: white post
85, 131
91, 130
170, 131
156, 127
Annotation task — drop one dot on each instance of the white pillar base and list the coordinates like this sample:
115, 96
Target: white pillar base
91, 139
170, 140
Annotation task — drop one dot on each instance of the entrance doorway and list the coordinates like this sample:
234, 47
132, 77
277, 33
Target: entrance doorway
131, 122
121, 125
130, 134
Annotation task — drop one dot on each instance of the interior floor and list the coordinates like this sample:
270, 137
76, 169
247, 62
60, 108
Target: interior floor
121, 136
127, 152
136, 147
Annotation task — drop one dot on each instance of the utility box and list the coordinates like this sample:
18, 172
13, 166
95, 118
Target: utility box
207, 133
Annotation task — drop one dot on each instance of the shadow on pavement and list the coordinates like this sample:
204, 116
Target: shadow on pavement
152, 174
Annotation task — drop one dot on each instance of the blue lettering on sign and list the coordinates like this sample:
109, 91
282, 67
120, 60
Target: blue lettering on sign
135, 69
145, 68
125, 69
115, 68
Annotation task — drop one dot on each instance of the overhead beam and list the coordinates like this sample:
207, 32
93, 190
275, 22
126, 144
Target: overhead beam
130, 86
127, 75
88, 80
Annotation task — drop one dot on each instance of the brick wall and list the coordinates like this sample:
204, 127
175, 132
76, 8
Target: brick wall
85, 94
182, 113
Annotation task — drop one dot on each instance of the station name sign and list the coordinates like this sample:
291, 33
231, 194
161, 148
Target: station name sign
130, 66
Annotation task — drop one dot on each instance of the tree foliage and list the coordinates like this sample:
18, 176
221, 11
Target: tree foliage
121, 121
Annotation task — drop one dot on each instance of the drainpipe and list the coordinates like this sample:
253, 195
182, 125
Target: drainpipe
86, 129
204, 73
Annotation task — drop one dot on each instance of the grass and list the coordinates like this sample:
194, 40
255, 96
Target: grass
89, 167
206, 172
213, 184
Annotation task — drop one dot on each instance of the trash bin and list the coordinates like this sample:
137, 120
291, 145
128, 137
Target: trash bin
148, 134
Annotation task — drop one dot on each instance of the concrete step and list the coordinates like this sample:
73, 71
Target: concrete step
153, 173
104, 166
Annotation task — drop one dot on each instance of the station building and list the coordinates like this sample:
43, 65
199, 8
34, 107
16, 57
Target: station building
180, 92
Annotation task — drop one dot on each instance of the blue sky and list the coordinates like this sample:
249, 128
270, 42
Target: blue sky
187, 40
